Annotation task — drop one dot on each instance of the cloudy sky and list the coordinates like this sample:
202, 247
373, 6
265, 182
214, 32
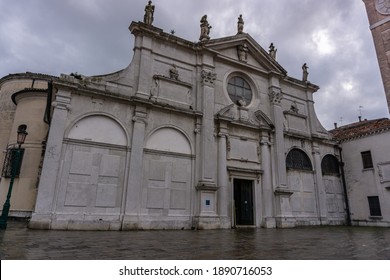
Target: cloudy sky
91, 37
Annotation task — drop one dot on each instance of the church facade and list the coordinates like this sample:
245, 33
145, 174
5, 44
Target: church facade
212, 134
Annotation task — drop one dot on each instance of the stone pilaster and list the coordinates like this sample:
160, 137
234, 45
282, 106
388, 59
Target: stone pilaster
283, 215
276, 95
319, 186
207, 216
223, 194
42, 215
134, 186
207, 131
267, 189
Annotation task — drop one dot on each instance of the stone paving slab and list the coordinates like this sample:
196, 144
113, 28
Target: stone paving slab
323, 243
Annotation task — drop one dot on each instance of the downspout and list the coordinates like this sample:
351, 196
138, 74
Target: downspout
47, 116
46, 120
345, 188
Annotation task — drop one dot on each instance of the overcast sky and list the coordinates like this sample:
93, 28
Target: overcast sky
91, 37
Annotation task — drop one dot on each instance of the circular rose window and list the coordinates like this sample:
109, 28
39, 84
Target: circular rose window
239, 91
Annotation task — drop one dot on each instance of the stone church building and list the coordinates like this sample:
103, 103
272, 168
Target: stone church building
204, 135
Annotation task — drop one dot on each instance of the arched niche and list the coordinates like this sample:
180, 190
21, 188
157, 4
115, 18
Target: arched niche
98, 128
169, 140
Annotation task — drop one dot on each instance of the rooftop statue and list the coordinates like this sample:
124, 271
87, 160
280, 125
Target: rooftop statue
204, 29
149, 11
305, 73
272, 51
240, 25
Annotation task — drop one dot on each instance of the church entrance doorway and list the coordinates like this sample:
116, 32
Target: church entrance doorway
243, 202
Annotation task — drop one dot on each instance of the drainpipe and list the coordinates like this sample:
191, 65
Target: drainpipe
47, 116
345, 188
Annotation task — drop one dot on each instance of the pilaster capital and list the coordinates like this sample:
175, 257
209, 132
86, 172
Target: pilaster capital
62, 101
140, 117
265, 142
316, 150
61, 106
223, 132
275, 95
208, 78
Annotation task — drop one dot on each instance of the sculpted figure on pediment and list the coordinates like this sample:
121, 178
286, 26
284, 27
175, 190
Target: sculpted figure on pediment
242, 52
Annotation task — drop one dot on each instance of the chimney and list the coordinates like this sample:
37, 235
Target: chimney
335, 125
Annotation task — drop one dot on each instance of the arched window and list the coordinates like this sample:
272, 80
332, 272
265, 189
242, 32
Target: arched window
298, 159
330, 165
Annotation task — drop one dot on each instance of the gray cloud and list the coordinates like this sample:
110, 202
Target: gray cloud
92, 37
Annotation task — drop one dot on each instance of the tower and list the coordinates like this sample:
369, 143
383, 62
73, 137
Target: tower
378, 12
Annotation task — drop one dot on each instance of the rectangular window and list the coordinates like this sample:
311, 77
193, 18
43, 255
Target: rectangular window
375, 207
367, 159
13, 159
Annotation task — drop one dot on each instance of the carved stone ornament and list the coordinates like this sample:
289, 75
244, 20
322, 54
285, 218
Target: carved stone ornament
173, 72
275, 96
208, 77
294, 107
242, 52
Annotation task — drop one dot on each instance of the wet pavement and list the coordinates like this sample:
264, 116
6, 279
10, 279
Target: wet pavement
314, 243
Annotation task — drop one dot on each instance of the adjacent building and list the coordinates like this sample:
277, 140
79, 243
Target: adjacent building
366, 154
211, 134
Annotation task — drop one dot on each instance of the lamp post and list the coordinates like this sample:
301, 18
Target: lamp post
22, 133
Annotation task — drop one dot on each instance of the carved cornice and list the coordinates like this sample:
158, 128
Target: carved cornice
208, 78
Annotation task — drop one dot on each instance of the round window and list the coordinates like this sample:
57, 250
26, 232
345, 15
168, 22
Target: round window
239, 91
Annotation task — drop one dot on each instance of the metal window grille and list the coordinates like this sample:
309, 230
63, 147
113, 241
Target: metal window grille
10, 162
330, 165
375, 207
367, 159
297, 159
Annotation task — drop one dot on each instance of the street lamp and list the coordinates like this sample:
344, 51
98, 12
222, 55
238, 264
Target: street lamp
22, 133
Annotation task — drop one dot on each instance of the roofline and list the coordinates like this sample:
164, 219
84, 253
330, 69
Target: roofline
28, 75
352, 125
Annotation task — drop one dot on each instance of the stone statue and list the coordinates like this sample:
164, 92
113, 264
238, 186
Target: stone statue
242, 51
272, 51
204, 29
305, 73
240, 25
173, 73
149, 11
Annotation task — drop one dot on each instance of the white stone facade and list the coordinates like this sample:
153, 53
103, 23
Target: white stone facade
162, 145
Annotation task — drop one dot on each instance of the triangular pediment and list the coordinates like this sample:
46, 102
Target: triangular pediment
244, 49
